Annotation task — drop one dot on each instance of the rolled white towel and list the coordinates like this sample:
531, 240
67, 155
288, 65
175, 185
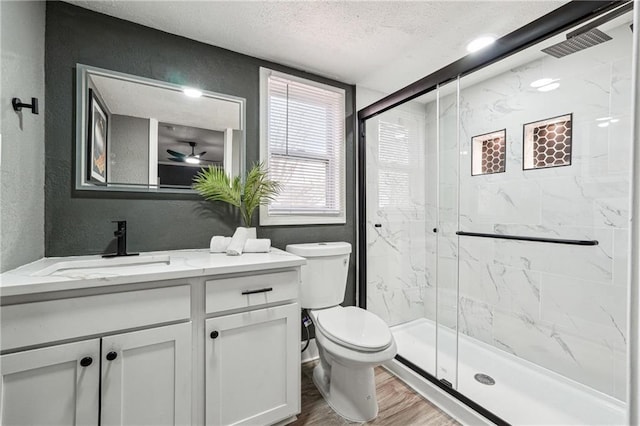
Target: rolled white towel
237, 242
219, 244
261, 245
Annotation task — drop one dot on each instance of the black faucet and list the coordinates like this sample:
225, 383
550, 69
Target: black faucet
121, 234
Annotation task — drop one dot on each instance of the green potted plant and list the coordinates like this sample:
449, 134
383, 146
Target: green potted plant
213, 184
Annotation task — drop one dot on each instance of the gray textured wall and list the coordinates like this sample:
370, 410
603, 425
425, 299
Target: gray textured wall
129, 149
79, 222
22, 167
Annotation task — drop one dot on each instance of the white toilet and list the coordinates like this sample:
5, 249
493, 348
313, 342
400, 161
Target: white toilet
351, 341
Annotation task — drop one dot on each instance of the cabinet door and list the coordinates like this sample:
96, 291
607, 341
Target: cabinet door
57, 385
146, 377
253, 366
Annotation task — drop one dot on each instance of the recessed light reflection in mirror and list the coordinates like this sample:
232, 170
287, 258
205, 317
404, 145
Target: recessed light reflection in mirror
480, 43
549, 87
606, 121
191, 92
541, 82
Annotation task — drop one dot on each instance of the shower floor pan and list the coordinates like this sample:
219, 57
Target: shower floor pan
523, 393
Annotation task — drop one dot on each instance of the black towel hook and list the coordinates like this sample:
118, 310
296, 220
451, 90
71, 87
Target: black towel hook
18, 105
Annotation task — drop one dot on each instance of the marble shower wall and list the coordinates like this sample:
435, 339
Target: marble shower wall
398, 279
562, 307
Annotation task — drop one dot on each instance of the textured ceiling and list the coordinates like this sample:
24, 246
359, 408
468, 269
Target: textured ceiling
381, 45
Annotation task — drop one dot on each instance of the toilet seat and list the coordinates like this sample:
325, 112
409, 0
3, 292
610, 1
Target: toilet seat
354, 328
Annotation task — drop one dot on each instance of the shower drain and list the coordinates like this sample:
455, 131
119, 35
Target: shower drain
485, 379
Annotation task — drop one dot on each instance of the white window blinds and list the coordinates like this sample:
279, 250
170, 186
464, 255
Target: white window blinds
305, 147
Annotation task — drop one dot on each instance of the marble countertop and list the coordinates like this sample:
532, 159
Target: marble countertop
77, 272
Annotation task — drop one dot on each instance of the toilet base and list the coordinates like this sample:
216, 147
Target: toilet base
349, 391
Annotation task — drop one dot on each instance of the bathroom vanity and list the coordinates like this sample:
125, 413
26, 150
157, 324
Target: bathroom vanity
165, 338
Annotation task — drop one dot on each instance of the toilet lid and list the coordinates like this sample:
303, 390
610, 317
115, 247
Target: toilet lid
354, 327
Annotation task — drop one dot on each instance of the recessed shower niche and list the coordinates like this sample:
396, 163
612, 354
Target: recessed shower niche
547, 143
489, 153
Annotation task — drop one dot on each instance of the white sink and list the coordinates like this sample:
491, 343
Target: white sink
119, 264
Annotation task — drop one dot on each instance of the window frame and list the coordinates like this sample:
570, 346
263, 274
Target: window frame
297, 218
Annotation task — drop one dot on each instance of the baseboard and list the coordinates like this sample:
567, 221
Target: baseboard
286, 421
311, 353
454, 408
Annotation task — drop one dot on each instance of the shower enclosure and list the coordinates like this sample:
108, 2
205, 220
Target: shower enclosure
496, 228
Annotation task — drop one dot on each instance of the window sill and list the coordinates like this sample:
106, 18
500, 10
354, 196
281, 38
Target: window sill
266, 220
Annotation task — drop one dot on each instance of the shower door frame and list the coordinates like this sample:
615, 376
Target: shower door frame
549, 25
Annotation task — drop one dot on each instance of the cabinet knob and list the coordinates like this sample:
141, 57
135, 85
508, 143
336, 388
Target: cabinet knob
111, 356
214, 334
86, 361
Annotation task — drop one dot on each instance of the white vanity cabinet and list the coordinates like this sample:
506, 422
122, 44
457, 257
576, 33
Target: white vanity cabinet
138, 377
142, 376
195, 339
55, 385
146, 377
252, 356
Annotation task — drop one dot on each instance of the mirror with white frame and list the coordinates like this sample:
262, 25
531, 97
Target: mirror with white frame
138, 134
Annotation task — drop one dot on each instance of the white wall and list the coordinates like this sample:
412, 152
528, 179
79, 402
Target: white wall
366, 96
22, 134
129, 150
633, 361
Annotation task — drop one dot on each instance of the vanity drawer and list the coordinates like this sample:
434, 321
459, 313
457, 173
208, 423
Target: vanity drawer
251, 290
28, 324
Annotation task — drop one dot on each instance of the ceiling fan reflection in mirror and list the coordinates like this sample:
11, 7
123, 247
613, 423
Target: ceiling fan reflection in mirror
192, 158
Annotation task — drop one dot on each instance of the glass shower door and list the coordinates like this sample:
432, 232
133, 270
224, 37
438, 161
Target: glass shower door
447, 172
399, 287
546, 321
531, 146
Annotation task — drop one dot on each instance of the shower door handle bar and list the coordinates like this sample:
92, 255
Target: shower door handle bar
525, 238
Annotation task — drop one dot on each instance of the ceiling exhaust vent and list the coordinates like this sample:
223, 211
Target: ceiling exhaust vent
577, 43
587, 35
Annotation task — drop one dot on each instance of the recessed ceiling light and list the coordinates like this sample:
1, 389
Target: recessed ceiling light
542, 82
614, 120
192, 93
603, 119
549, 87
479, 43
604, 124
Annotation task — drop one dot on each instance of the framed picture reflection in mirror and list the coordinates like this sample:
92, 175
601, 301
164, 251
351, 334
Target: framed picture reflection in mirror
97, 140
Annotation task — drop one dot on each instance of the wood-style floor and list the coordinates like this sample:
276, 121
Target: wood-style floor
398, 404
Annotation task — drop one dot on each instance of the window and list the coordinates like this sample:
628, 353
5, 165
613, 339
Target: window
303, 145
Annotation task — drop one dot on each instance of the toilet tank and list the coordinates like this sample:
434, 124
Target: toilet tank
324, 277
